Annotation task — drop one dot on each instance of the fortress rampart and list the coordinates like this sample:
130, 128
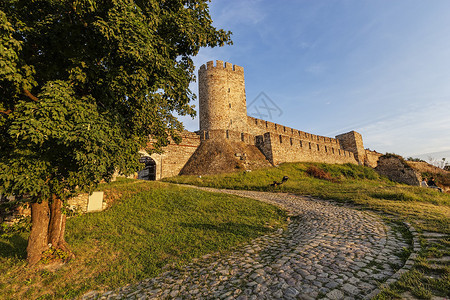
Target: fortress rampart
258, 127
279, 148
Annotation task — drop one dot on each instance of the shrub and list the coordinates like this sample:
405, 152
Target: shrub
318, 173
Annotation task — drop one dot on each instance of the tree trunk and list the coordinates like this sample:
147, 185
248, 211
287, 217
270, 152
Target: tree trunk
48, 227
38, 240
57, 226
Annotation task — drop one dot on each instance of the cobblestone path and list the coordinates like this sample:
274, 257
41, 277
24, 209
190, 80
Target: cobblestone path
328, 251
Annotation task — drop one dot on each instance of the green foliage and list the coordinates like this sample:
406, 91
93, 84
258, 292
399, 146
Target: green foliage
415, 159
85, 83
52, 254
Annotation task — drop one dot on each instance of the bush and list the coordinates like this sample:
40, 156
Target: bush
318, 173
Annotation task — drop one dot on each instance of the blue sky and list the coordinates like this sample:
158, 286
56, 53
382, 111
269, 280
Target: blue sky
378, 67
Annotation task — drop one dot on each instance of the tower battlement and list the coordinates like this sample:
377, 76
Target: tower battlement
220, 65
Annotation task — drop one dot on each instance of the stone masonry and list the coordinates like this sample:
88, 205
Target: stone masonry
174, 157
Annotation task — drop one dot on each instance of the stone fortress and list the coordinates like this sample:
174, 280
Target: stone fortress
230, 140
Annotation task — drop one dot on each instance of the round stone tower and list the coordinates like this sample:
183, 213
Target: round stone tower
222, 97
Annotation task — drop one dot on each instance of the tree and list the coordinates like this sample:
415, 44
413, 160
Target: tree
437, 163
84, 84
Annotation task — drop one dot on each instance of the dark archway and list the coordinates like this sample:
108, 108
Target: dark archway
149, 171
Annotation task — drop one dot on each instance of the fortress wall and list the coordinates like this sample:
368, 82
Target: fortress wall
264, 144
352, 141
259, 127
231, 135
174, 157
372, 158
280, 148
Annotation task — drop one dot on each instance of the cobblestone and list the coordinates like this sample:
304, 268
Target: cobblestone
328, 250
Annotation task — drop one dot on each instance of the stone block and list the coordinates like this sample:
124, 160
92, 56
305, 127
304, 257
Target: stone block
95, 202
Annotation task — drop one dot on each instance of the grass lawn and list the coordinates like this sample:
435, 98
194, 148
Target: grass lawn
149, 225
426, 209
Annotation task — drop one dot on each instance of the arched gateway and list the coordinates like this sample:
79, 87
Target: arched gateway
149, 171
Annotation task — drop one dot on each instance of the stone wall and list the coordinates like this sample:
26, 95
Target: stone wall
280, 148
372, 158
174, 157
396, 169
291, 145
231, 135
259, 127
352, 141
78, 203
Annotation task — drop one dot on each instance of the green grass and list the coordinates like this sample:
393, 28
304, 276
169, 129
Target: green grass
153, 224
426, 209
150, 225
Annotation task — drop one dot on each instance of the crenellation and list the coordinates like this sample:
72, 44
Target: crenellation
221, 65
238, 69
285, 148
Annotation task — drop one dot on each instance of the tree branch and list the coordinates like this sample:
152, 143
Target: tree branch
30, 95
6, 112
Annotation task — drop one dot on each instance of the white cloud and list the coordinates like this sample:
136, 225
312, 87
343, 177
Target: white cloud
232, 13
316, 69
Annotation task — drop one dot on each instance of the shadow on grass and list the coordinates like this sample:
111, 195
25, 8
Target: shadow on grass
15, 246
230, 227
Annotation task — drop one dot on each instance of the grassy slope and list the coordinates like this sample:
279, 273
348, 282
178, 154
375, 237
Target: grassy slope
426, 209
151, 224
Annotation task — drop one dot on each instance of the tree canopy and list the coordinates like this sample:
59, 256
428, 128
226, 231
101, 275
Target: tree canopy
85, 83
